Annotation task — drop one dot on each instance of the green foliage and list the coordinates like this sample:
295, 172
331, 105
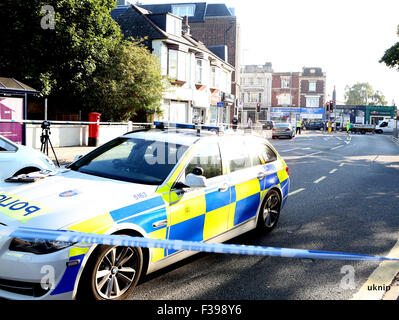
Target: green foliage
129, 83
79, 61
391, 56
363, 94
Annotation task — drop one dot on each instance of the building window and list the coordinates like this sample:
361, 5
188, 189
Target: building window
312, 102
172, 63
284, 99
254, 97
184, 10
285, 83
199, 71
214, 78
312, 86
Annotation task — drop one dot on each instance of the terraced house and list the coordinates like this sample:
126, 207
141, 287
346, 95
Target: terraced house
200, 78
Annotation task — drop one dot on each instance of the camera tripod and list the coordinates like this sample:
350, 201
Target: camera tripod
45, 140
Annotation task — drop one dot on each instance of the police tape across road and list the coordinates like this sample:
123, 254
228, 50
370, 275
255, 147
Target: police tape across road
32, 234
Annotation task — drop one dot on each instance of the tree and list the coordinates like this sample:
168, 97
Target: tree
129, 84
63, 58
363, 94
391, 56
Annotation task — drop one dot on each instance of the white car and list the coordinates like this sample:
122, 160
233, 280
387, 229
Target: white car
17, 159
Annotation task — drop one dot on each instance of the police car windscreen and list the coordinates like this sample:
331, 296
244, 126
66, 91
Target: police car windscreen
132, 160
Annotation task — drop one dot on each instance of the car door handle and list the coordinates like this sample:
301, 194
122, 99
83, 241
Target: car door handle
224, 187
261, 175
159, 224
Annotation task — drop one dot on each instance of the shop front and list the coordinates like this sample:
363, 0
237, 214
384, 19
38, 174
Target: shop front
292, 114
375, 114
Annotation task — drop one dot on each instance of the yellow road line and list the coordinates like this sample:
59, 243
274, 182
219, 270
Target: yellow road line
381, 277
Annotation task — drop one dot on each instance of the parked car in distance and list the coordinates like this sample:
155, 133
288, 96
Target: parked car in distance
267, 124
283, 130
17, 159
314, 125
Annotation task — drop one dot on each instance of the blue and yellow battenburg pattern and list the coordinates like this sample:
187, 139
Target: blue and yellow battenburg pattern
198, 217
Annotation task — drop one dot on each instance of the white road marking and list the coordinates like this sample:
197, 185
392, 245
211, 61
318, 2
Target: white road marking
337, 147
342, 164
320, 180
339, 138
296, 191
333, 170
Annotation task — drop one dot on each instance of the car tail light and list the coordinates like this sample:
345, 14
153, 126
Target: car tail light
273, 129
287, 170
288, 129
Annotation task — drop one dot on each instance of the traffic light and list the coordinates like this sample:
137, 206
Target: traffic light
331, 106
258, 107
328, 106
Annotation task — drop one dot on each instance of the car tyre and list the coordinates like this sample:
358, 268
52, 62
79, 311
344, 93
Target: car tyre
269, 213
111, 274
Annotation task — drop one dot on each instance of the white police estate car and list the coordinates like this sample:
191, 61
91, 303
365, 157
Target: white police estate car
156, 183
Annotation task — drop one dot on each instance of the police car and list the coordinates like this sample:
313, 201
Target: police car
169, 182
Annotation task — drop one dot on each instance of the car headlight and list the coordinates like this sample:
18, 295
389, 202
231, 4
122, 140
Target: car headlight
38, 246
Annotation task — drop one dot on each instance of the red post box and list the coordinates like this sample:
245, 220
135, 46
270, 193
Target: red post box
94, 128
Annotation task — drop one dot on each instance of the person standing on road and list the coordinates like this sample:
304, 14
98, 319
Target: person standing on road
234, 123
347, 127
250, 123
298, 126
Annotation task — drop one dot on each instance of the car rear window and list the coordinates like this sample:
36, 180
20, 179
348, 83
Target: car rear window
282, 125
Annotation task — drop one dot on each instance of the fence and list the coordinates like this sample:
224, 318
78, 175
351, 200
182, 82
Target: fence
74, 133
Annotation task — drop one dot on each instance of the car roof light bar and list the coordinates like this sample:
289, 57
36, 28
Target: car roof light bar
165, 125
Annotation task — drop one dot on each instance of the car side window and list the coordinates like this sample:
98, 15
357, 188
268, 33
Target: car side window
5, 146
261, 152
237, 155
266, 153
208, 158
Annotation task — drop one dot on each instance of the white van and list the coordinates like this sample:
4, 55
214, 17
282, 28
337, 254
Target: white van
385, 126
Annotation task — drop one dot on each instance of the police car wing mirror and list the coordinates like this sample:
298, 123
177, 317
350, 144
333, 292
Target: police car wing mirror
195, 181
198, 171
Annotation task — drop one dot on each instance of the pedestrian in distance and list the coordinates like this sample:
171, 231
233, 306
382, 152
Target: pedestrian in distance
298, 126
249, 123
234, 123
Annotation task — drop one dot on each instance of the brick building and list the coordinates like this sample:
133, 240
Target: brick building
313, 88
299, 95
285, 91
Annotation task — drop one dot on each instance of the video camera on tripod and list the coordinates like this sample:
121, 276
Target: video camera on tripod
45, 140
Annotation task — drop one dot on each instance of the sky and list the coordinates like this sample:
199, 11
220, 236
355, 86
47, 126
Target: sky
346, 38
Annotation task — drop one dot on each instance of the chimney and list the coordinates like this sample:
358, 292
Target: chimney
186, 28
